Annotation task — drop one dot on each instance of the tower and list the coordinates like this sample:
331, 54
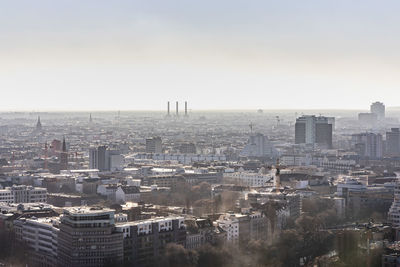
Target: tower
168, 114
38, 125
90, 118
177, 108
64, 156
186, 112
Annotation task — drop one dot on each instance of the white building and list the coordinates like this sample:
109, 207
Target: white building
23, 194
41, 236
127, 194
230, 224
252, 179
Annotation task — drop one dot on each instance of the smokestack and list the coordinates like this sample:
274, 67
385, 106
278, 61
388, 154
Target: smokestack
186, 108
177, 109
168, 108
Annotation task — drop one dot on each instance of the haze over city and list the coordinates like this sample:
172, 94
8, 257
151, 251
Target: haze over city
170, 133
135, 55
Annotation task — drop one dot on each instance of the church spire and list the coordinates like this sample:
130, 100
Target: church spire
38, 124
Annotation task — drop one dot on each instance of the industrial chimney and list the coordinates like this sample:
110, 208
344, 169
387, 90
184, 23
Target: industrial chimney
177, 109
186, 108
168, 108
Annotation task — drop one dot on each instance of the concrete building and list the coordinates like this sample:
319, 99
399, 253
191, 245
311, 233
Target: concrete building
23, 194
145, 241
393, 142
154, 145
252, 179
394, 211
105, 159
87, 237
127, 194
258, 145
41, 237
368, 145
230, 224
314, 130
367, 119
187, 148
378, 108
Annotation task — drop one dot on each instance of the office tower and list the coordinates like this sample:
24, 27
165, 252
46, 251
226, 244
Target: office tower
87, 237
368, 145
314, 130
378, 108
393, 142
64, 156
258, 145
105, 159
154, 145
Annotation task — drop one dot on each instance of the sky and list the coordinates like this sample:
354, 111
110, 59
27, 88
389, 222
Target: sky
215, 54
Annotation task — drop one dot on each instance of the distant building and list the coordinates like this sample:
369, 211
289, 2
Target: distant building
23, 194
314, 130
64, 156
252, 179
87, 237
393, 142
368, 145
105, 159
154, 145
258, 145
38, 125
368, 119
378, 108
187, 148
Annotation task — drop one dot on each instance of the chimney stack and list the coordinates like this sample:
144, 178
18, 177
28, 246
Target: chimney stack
186, 108
177, 109
168, 108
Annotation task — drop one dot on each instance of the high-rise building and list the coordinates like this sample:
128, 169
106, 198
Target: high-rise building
154, 145
393, 142
314, 130
368, 145
105, 159
259, 145
87, 237
378, 108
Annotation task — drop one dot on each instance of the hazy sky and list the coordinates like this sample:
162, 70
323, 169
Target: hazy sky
218, 54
